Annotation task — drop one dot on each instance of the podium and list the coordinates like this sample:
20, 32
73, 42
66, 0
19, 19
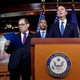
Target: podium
42, 49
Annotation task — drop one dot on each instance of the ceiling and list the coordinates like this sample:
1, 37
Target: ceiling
4, 3
9, 8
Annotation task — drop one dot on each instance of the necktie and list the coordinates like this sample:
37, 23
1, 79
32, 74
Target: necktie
43, 35
62, 28
24, 38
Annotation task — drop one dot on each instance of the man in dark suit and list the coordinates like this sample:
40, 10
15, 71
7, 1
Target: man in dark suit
63, 28
43, 32
19, 62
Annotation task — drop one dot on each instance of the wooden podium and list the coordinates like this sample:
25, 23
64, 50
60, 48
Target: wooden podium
42, 49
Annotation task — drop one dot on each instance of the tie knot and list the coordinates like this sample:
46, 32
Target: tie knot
43, 32
62, 22
24, 33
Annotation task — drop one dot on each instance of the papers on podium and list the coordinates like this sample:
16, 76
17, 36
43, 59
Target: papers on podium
15, 41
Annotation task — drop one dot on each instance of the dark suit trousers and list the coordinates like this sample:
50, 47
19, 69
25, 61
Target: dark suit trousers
21, 70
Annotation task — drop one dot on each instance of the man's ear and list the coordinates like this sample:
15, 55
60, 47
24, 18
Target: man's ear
66, 12
28, 24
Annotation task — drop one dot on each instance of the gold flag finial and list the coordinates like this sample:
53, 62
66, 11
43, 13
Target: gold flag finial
43, 6
57, 3
73, 5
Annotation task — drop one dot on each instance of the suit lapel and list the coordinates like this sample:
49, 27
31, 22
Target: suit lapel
57, 26
39, 35
28, 38
66, 28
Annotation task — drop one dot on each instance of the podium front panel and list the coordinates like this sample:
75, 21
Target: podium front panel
44, 51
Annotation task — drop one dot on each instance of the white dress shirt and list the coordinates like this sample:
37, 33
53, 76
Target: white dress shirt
43, 31
65, 21
22, 34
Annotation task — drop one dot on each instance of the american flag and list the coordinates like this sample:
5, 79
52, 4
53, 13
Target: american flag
56, 19
42, 16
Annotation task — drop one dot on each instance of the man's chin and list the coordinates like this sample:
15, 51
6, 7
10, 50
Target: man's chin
43, 28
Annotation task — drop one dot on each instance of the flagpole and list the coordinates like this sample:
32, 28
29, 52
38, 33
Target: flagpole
57, 3
73, 1
73, 4
43, 6
42, 15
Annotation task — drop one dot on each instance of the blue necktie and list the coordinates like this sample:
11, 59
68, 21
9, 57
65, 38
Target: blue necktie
43, 35
24, 38
62, 28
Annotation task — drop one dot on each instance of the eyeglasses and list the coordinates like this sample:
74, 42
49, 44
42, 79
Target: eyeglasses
21, 24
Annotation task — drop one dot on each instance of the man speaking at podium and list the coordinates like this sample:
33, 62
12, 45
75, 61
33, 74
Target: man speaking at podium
63, 28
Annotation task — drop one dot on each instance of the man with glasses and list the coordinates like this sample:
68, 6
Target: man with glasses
19, 63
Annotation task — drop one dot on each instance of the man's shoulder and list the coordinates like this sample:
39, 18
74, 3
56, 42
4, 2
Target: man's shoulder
54, 24
71, 24
31, 34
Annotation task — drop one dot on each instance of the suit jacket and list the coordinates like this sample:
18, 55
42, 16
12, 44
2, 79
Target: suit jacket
18, 54
38, 35
70, 31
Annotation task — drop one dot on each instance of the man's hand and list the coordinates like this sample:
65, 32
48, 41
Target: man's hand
7, 43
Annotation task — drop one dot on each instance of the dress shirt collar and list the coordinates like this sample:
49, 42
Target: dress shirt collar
65, 21
42, 31
22, 34
27, 32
